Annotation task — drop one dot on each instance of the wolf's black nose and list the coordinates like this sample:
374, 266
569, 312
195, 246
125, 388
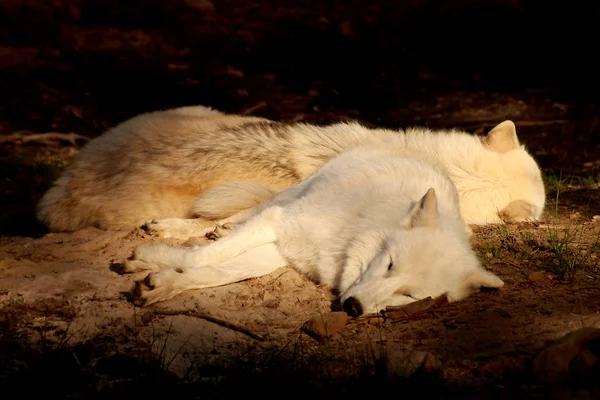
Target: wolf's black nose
352, 307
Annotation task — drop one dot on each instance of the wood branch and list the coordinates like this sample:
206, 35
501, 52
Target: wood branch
48, 88
472, 125
369, 316
543, 122
298, 117
408, 310
45, 138
250, 110
214, 320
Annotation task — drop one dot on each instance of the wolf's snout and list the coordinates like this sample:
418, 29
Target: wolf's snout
352, 307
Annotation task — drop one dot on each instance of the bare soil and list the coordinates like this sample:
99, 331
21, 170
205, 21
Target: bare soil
67, 328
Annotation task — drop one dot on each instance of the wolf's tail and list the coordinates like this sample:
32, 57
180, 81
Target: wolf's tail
59, 211
229, 198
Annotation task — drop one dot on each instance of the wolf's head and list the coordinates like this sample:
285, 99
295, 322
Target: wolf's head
526, 188
505, 185
418, 259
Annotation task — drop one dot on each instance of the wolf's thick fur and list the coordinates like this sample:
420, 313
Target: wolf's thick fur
161, 164
380, 228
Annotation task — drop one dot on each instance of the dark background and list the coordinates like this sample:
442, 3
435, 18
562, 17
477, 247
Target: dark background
118, 58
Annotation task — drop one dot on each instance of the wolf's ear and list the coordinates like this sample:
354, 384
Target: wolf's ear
482, 279
502, 138
424, 212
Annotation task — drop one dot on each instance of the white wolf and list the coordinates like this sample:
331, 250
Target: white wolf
379, 228
195, 162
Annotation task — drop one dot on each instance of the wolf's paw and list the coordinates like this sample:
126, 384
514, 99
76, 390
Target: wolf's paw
178, 228
518, 211
156, 286
220, 231
131, 265
147, 257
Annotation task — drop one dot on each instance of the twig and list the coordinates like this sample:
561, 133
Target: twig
426, 302
408, 310
369, 316
472, 125
541, 123
396, 312
48, 88
27, 137
214, 320
253, 108
298, 117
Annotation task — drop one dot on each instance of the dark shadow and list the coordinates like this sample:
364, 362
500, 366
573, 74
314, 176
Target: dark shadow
118, 268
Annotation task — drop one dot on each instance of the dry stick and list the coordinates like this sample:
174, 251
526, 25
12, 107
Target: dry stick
298, 117
255, 107
407, 310
542, 122
48, 88
214, 320
519, 123
26, 137
416, 305
419, 306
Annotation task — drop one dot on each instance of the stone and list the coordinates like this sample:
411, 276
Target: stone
536, 276
576, 353
325, 325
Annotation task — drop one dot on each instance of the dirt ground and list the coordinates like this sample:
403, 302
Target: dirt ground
67, 328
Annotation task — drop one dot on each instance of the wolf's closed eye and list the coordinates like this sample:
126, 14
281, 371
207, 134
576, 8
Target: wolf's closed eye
390, 266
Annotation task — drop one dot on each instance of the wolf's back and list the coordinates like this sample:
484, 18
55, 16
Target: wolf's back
156, 165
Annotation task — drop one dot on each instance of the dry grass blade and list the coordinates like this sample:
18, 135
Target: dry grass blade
251, 109
44, 138
214, 320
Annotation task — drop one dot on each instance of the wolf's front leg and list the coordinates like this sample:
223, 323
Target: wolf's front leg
179, 228
183, 229
255, 232
167, 283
